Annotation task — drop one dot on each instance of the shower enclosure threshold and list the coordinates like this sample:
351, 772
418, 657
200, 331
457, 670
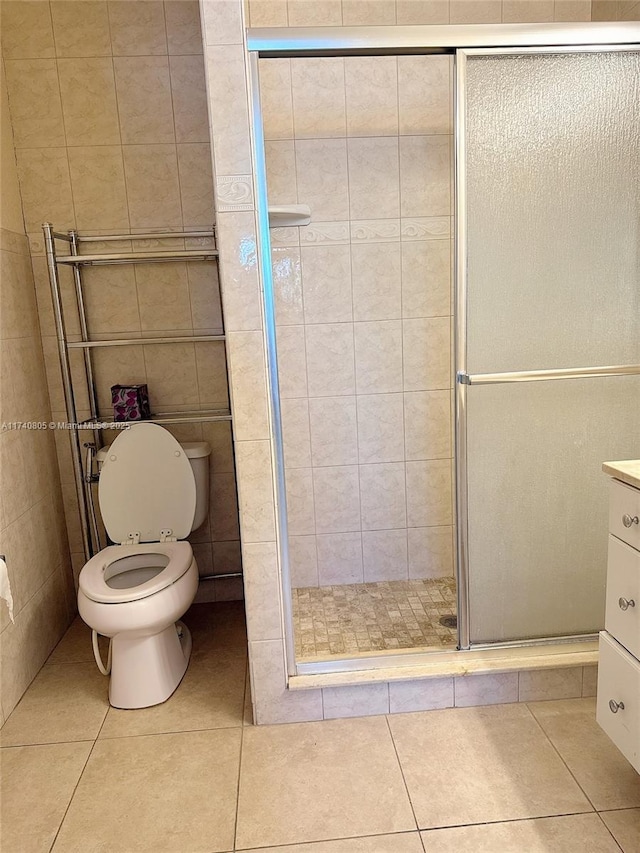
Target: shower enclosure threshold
411, 664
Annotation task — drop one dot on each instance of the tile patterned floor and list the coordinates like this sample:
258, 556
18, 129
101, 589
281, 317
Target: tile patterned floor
194, 776
370, 617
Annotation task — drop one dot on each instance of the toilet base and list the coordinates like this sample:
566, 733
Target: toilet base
146, 670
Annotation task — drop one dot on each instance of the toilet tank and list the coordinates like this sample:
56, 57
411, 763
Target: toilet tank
198, 453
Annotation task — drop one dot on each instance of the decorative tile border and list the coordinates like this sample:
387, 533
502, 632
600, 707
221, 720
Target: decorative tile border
320, 233
12, 241
426, 228
234, 192
375, 231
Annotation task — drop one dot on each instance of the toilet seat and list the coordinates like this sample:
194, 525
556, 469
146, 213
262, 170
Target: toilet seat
94, 576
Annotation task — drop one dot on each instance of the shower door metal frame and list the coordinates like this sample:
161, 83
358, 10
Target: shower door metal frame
460, 41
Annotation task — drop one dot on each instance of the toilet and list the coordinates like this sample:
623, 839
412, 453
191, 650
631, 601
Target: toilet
152, 493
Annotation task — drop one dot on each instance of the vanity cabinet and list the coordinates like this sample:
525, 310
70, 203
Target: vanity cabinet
618, 704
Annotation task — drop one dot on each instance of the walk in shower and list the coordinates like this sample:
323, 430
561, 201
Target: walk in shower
439, 488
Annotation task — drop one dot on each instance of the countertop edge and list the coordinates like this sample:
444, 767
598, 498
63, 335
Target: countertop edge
627, 471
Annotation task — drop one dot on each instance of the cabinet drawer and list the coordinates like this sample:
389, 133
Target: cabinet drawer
622, 619
624, 506
619, 683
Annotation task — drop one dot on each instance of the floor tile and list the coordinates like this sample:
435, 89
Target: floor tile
75, 646
406, 842
210, 696
155, 794
583, 833
37, 784
64, 703
625, 827
473, 765
319, 781
600, 769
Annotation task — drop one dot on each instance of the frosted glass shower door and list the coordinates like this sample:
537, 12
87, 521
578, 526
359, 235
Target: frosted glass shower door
549, 280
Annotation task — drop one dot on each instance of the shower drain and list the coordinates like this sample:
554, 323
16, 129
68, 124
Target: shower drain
449, 621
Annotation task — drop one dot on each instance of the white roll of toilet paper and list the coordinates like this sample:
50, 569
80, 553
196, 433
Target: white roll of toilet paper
5, 587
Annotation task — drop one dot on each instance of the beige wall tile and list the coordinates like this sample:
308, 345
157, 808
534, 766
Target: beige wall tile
368, 12
111, 300
572, 10
184, 30
430, 552
429, 493
604, 10
262, 591
276, 98
382, 494
334, 439
98, 186
318, 97
321, 168
372, 95
378, 353
494, 689
239, 271
300, 503
88, 94
380, 428
421, 695
523, 11
227, 557
295, 433
292, 362
45, 187
280, 156
137, 29
223, 22
268, 13
171, 375
427, 425
196, 185
475, 11
223, 509
315, 13
303, 561
163, 296
589, 680
18, 297
426, 278
427, 354
385, 555
151, 173
124, 365
376, 276
213, 390
337, 499
27, 30
204, 295
422, 11
424, 94
272, 701
629, 10
189, 98
144, 99
373, 178
425, 174
550, 684
355, 701
330, 363
287, 283
34, 98
81, 28
247, 370
326, 284
253, 460
228, 109
339, 558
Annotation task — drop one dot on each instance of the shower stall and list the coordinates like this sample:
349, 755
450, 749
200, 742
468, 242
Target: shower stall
453, 341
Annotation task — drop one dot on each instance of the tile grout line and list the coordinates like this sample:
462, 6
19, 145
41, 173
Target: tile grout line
404, 781
557, 751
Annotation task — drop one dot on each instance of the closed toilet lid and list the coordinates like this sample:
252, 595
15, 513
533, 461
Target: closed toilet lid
147, 486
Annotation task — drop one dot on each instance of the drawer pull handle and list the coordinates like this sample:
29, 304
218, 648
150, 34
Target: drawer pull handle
628, 520
625, 603
615, 706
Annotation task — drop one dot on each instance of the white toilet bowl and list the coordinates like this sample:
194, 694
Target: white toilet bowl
136, 591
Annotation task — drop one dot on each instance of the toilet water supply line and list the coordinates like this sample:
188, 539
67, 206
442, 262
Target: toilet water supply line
105, 670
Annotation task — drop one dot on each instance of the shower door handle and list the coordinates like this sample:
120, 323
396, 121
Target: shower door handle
464, 378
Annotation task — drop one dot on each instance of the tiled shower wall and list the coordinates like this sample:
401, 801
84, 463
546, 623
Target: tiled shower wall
109, 113
364, 313
32, 530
